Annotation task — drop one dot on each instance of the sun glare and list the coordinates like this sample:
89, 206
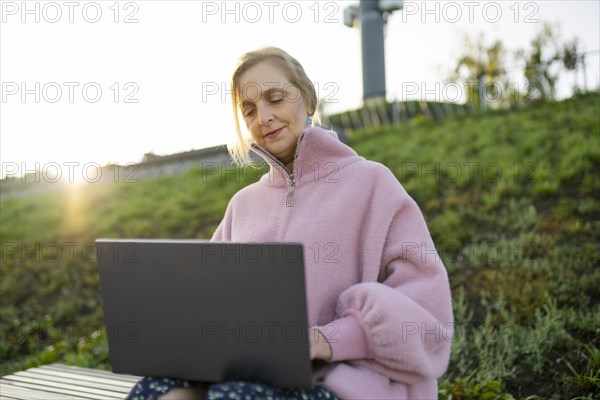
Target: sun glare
75, 216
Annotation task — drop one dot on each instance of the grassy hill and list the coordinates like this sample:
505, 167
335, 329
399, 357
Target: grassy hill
511, 199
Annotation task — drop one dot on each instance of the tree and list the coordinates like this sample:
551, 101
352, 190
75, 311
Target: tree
544, 53
480, 68
572, 60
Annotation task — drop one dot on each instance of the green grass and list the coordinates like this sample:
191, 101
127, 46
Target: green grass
512, 199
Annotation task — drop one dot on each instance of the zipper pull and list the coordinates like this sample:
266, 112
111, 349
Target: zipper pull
289, 201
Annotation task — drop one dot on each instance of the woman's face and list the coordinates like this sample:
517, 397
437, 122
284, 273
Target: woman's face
273, 110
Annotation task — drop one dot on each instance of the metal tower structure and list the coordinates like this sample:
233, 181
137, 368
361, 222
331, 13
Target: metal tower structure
372, 16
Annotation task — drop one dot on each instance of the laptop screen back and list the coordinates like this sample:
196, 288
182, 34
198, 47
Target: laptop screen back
206, 311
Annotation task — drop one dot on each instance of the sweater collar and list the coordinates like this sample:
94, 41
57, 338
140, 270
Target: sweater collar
319, 153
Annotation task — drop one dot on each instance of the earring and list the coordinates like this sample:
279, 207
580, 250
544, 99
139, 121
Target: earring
309, 121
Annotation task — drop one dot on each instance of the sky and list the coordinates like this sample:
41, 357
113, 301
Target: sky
96, 82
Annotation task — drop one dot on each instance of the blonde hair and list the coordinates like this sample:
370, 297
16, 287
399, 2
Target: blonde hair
239, 148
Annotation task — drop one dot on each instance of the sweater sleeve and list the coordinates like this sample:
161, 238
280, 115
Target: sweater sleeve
223, 231
401, 325
218, 235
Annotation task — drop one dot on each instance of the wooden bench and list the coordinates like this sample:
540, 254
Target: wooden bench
58, 381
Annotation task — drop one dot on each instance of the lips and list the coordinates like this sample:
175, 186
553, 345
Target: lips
274, 133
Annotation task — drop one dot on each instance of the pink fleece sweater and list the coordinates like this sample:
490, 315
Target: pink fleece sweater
376, 286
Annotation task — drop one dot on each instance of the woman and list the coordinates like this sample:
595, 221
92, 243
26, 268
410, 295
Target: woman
378, 294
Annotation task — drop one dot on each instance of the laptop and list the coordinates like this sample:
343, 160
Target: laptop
206, 311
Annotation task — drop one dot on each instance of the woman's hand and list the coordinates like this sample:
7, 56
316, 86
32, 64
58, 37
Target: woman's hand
319, 346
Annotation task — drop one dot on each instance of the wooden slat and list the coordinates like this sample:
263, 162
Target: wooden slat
12, 392
60, 392
87, 379
59, 381
65, 389
73, 382
58, 387
90, 372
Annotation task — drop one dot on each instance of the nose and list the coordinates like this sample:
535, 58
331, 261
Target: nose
265, 113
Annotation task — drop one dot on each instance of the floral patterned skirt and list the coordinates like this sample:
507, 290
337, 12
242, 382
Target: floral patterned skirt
150, 388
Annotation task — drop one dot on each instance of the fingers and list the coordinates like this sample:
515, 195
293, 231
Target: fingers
319, 346
313, 336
